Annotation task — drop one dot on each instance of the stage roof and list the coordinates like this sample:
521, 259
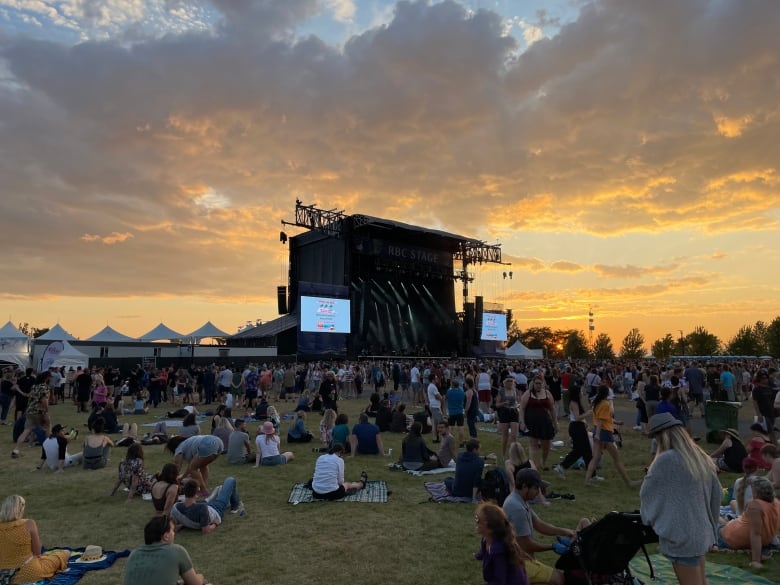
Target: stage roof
270, 328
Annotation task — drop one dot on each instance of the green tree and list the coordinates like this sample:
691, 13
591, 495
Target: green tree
633, 345
537, 337
773, 337
576, 346
602, 347
663, 348
745, 342
701, 342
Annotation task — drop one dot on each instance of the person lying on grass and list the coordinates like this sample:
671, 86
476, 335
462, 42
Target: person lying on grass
207, 516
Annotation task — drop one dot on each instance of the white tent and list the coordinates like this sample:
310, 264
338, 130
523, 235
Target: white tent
56, 333
14, 346
70, 357
518, 350
208, 330
162, 331
109, 335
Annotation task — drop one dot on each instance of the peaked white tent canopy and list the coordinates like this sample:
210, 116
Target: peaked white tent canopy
70, 357
207, 330
14, 346
162, 331
56, 333
110, 335
518, 350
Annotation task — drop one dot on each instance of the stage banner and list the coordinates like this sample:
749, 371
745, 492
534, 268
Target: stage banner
406, 254
52, 352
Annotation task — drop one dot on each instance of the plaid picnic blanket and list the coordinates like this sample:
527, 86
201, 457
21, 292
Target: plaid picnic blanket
439, 493
374, 492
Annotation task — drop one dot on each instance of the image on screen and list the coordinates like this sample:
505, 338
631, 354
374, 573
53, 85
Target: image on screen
325, 315
493, 327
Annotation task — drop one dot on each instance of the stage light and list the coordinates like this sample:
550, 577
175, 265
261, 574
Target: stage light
510, 275
283, 237
504, 275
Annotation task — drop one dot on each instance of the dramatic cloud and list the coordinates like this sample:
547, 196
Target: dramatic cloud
616, 139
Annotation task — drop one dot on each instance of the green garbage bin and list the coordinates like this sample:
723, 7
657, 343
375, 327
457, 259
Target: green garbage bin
719, 416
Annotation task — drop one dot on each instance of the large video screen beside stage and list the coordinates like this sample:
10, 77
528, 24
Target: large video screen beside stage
493, 327
325, 315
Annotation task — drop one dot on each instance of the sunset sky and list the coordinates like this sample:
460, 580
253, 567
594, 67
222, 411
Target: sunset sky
624, 153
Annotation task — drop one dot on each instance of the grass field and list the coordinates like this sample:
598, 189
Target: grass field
408, 540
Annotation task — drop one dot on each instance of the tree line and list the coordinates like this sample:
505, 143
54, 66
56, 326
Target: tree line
758, 339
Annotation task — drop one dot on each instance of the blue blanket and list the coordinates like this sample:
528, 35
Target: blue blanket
77, 569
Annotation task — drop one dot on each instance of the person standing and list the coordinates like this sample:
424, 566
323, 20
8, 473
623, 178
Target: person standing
37, 413
456, 404
680, 499
435, 404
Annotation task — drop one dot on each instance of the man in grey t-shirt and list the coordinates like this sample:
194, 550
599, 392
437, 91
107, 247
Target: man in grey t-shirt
239, 450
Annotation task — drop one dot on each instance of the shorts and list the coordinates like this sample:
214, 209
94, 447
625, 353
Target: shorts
33, 420
336, 494
274, 460
456, 420
436, 416
507, 414
210, 445
604, 436
538, 572
721, 543
485, 395
685, 561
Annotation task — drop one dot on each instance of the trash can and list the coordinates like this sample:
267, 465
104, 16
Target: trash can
719, 416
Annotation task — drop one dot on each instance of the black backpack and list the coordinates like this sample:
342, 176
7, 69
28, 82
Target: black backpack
495, 486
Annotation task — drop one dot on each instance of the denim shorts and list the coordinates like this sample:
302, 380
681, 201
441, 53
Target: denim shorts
685, 561
722, 544
604, 436
274, 460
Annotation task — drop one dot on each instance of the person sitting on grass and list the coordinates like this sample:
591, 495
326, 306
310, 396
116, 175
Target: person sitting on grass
160, 560
328, 481
415, 454
468, 473
366, 438
730, 453
165, 489
20, 545
742, 491
55, 450
398, 422
341, 432
97, 447
207, 516
758, 438
267, 443
298, 432
189, 426
273, 416
327, 424
132, 473
503, 561
757, 526
239, 450
528, 486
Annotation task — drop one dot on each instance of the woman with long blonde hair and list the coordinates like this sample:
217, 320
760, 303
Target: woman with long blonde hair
680, 499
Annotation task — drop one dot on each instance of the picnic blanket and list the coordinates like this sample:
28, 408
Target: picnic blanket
449, 469
439, 493
76, 569
488, 429
717, 574
374, 492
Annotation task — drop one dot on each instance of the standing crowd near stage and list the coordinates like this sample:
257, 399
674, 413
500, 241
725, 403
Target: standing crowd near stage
449, 399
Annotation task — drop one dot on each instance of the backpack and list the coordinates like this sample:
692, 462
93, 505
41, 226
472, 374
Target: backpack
495, 486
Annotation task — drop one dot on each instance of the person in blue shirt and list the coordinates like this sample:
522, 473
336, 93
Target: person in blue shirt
456, 402
366, 438
468, 473
298, 432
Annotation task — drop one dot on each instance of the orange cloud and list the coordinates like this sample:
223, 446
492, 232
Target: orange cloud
112, 238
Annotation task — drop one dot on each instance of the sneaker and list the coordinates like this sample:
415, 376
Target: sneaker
15, 453
240, 509
637, 428
597, 478
559, 470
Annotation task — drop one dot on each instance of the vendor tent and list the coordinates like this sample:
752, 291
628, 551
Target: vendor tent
109, 335
162, 331
519, 351
14, 346
56, 333
207, 330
